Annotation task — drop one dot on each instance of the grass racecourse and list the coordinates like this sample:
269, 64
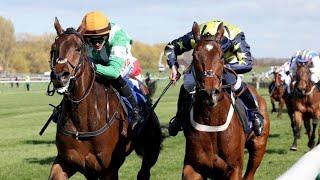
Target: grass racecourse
26, 155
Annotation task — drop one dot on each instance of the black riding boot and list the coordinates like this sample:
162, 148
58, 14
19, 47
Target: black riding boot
318, 85
257, 118
137, 119
184, 104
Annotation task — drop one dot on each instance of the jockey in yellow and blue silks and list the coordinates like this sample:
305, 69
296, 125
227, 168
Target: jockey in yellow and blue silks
107, 46
237, 56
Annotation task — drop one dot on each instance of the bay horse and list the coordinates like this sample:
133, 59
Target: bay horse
306, 107
277, 94
215, 138
93, 134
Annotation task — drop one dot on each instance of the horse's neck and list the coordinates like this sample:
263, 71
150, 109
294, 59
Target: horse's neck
83, 89
83, 81
212, 115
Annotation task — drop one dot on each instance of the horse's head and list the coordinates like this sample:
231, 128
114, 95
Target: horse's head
303, 77
208, 64
66, 56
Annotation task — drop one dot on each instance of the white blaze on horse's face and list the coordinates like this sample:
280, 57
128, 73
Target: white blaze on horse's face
209, 47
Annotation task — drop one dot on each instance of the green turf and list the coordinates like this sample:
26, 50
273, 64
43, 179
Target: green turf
26, 155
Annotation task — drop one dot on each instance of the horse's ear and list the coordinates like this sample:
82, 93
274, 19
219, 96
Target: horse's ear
220, 32
196, 31
57, 26
81, 28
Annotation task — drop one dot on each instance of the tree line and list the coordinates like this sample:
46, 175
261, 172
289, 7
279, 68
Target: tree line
28, 53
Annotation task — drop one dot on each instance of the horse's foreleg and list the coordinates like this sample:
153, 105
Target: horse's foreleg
307, 125
60, 170
189, 173
273, 106
281, 105
256, 148
297, 124
311, 142
151, 145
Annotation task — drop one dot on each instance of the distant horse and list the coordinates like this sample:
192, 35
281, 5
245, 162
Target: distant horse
215, 138
93, 135
305, 105
277, 94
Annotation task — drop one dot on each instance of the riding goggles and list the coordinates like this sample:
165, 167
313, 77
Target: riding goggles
95, 39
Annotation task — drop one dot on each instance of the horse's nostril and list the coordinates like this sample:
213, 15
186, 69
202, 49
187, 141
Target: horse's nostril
215, 91
64, 74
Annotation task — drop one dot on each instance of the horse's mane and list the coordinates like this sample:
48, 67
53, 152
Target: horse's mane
70, 30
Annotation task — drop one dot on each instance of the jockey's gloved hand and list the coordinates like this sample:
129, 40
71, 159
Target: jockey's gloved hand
175, 75
178, 75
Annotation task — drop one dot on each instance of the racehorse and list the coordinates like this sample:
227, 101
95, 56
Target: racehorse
215, 138
93, 134
306, 105
277, 94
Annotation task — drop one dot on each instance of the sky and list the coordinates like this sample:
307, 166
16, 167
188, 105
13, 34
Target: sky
273, 28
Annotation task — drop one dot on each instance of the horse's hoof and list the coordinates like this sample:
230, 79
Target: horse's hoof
293, 148
311, 145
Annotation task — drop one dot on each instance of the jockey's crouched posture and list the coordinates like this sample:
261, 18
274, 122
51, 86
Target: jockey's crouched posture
108, 47
237, 56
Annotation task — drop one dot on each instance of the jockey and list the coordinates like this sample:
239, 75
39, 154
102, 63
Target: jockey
237, 56
284, 71
305, 56
132, 69
108, 46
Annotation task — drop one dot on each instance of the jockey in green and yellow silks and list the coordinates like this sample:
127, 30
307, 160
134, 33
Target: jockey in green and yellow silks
237, 57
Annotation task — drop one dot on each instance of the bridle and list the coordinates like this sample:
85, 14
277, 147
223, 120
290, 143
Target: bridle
207, 73
75, 68
307, 82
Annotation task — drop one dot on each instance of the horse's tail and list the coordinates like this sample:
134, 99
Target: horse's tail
151, 135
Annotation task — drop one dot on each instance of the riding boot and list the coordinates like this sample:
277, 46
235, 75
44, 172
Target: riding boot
137, 119
318, 85
184, 104
257, 119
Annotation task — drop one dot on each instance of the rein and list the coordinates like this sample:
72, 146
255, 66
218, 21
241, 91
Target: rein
311, 91
85, 95
75, 68
83, 135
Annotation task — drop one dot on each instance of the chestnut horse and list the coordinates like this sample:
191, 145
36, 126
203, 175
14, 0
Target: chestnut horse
93, 135
215, 137
277, 94
306, 105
